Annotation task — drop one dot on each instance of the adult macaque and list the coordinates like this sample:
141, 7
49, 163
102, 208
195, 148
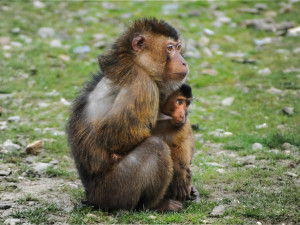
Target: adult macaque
115, 113
174, 128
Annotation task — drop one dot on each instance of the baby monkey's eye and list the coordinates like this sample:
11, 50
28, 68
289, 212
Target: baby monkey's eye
178, 47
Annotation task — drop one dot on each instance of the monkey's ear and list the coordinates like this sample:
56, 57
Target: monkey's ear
138, 42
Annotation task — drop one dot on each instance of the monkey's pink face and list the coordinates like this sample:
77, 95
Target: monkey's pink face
176, 67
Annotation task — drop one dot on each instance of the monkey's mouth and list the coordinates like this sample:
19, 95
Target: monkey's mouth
181, 75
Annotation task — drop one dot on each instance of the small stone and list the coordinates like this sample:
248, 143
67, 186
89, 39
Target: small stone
218, 210
275, 151
288, 146
214, 164
294, 32
295, 51
228, 101
257, 146
4, 173
65, 102
13, 119
264, 125
54, 162
170, 7
16, 44
99, 36
265, 71
38, 4
288, 110
264, 41
73, 186
82, 49
208, 31
211, 72
34, 148
4, 206
12, 221
55, 44
193, 54
10, 146
273, 90
99, 44
290, 174
15, 30
248, 160
29, 160
204, 41
221, 171
41, 167
152, 217
46, 32
65, 58
3, 125
108, 5
260, 6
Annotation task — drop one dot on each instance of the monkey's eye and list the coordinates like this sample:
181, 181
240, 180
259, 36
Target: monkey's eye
178, 47
188, 103
170, 47
179, 101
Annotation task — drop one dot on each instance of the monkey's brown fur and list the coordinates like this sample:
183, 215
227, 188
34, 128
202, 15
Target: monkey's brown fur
180, 139
115, 113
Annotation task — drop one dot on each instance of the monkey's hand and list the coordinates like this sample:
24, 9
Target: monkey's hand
179, 188
194, 194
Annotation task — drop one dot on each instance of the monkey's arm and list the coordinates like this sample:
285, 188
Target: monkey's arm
131, 117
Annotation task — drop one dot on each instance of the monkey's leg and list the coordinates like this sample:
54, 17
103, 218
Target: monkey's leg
139, 179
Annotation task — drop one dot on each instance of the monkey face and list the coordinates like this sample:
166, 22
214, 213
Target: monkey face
176, 66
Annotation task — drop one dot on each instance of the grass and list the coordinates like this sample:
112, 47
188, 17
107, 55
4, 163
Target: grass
35, 74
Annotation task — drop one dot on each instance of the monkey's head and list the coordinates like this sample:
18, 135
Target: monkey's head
152, 47
176, 105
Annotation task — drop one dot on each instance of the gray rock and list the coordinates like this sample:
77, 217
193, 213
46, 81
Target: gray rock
13, 119
288, 110
170, 7
3, 125
290, 174
228, 101
274, 91
288, 146
55, 43
265, 71
4, 173
46, 32
208, 31
260, 6
10, 146
15, 30
4, 206
248, 160
257, 146
214, 164
38, 4
12, 221
41, 167
82, 49
296, 51
218, 210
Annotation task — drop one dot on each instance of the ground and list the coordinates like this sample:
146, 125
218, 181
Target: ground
245, 74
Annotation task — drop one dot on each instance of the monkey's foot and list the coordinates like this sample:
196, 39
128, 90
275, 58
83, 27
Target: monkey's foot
169, 205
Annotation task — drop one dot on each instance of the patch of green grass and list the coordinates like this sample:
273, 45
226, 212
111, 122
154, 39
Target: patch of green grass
27, 198
38, 214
